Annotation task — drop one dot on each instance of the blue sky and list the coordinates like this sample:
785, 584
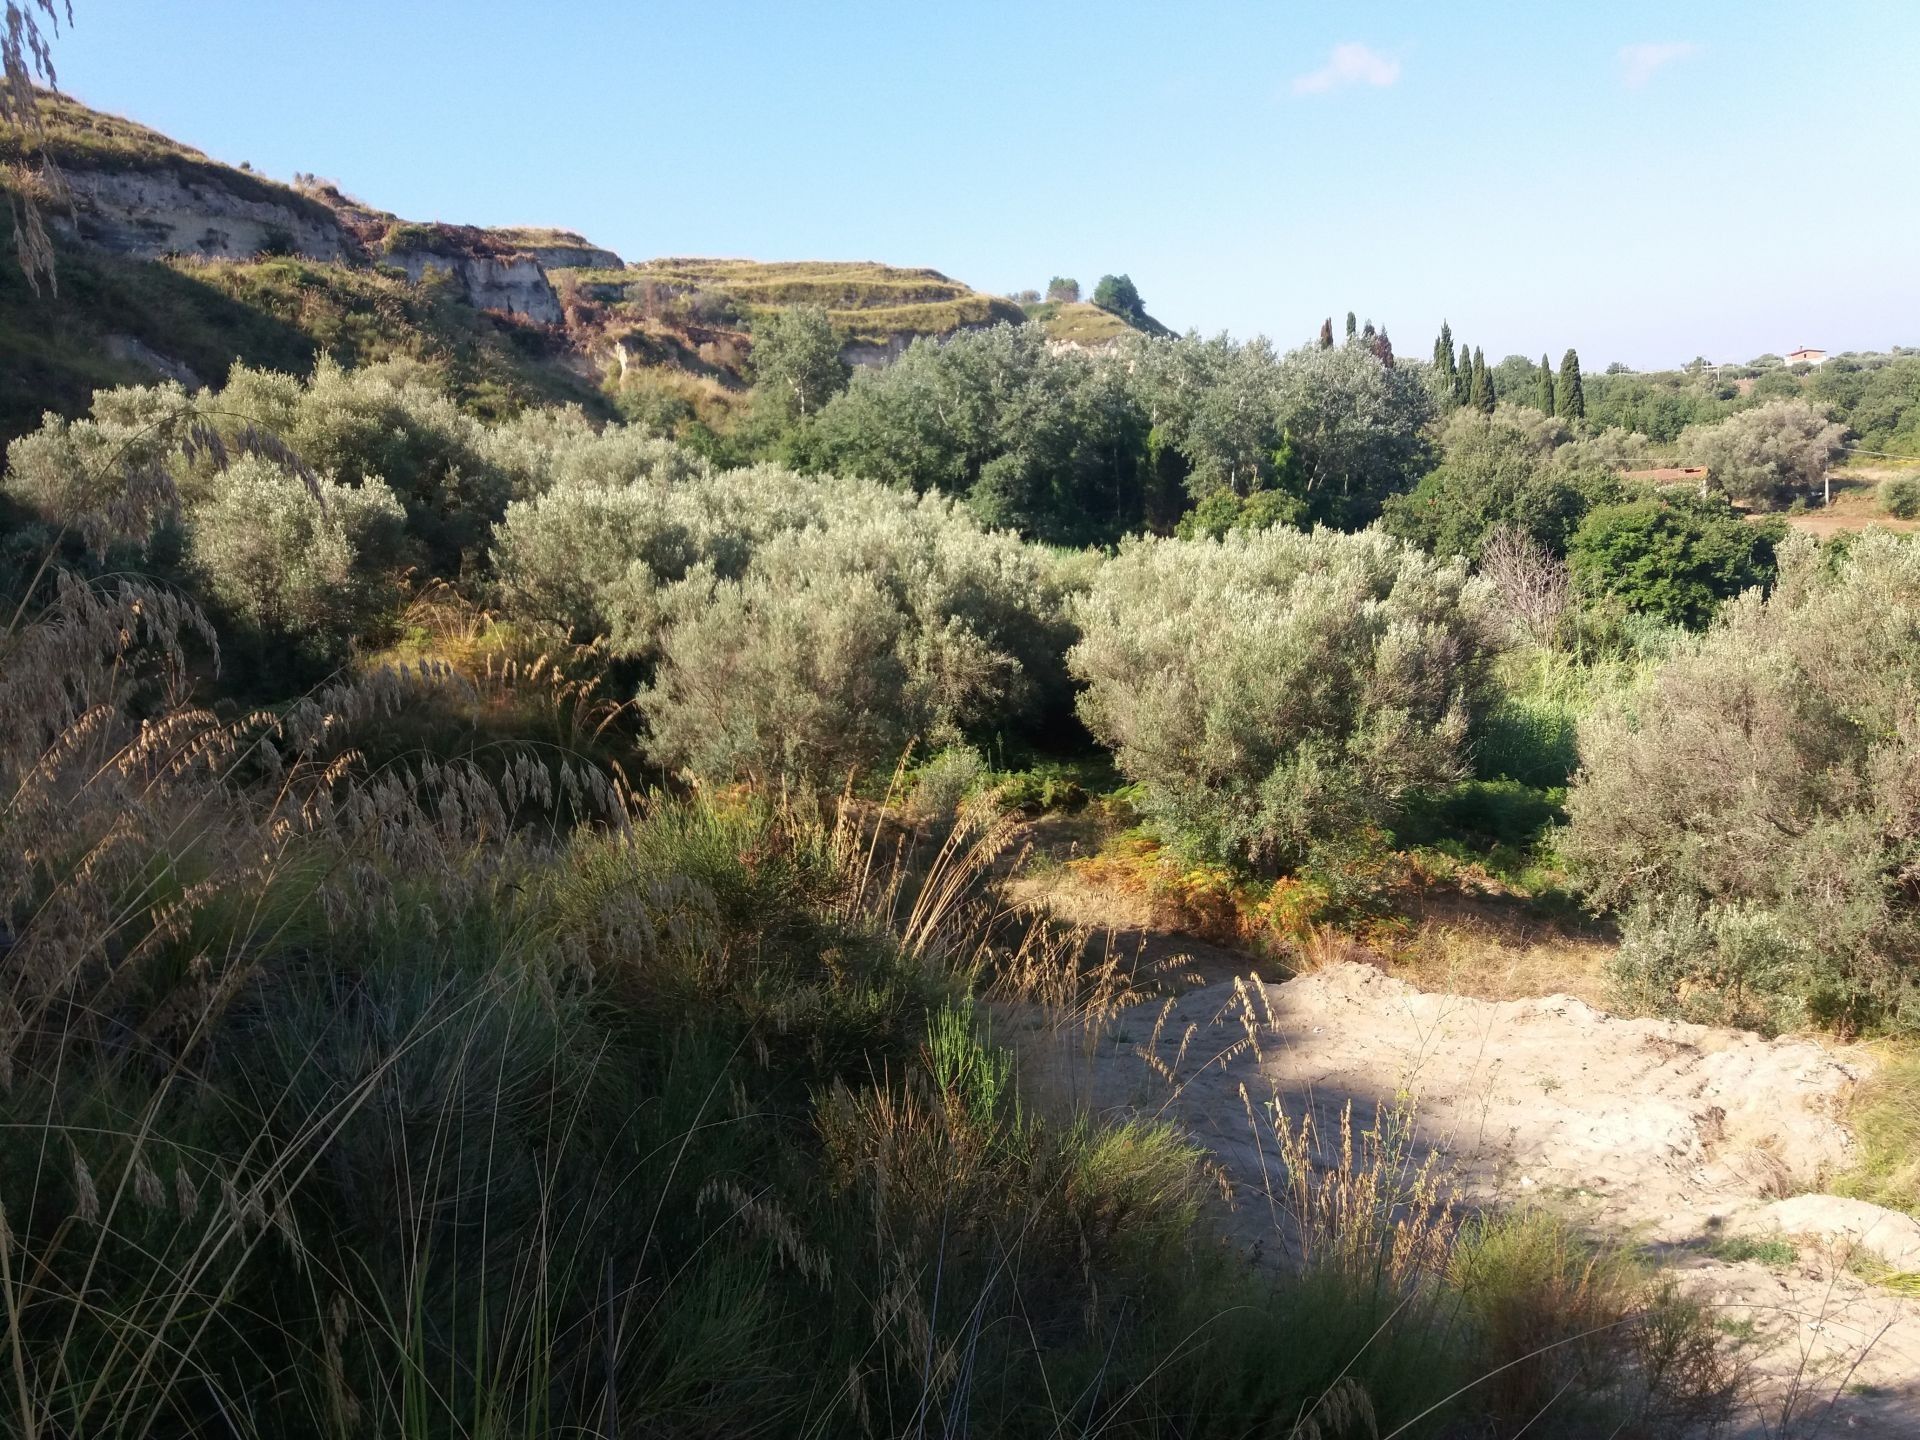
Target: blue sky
1644, 181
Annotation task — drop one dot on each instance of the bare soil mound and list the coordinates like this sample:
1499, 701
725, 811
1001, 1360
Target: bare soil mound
1671, 1135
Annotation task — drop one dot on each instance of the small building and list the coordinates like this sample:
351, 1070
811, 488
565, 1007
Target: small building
1805, 356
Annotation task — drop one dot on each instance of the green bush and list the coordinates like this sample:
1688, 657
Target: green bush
392, 422
1900, 496
838, 645
1675, 556
946, 781
1745, 803
1047, 442
104, 481
1223, 511
1278, 689
300, 561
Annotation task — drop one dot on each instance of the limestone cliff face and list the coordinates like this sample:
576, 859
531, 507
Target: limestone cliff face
150, 213
575, 257
513, 284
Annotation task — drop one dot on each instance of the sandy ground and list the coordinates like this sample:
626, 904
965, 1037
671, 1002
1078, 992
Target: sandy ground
1672, 1135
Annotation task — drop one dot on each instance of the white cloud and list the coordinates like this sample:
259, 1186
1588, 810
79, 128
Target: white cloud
1638, 63
1350, 64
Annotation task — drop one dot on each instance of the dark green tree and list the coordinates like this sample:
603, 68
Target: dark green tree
1443, 353
1571, 399
1545, 395
1118, 294
1676, 555
1063, 289
1463, 376
1480, 384
1350, 325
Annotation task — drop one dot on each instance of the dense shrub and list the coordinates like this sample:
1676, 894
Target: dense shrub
1900, 496
613, 520
299, 561
104, 481
865, 617
1750, 804
837, 645
1674, 556
392, 422
1276, 689
1223, 510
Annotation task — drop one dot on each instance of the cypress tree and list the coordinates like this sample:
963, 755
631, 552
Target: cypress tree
1572, 399
1545, 400
1349, 324
1326, 333
1463, 376
1443, 351
1480, 386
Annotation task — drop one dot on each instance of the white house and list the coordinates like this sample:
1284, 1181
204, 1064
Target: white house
1805, 356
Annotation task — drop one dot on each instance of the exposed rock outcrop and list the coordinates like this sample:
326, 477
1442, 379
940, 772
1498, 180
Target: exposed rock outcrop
513, 284
150, 213
574, 257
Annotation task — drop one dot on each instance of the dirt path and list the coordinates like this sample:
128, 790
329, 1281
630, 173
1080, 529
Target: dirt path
1676, 1136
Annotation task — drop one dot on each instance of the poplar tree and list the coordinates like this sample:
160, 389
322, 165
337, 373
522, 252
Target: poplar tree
1545, 394
1572, 399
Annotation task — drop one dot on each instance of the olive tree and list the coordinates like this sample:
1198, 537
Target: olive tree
840, 644
1277, 688
296, 559
1767, 454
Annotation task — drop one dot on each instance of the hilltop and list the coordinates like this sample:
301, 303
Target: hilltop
174, 264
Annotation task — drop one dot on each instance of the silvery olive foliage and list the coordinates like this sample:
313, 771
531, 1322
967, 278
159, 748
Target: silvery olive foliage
1277, 688
796, 627
300, 559
392, 422
1769, 453
1755, 806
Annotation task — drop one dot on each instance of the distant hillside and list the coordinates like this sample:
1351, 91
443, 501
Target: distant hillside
876, 309
175, 264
